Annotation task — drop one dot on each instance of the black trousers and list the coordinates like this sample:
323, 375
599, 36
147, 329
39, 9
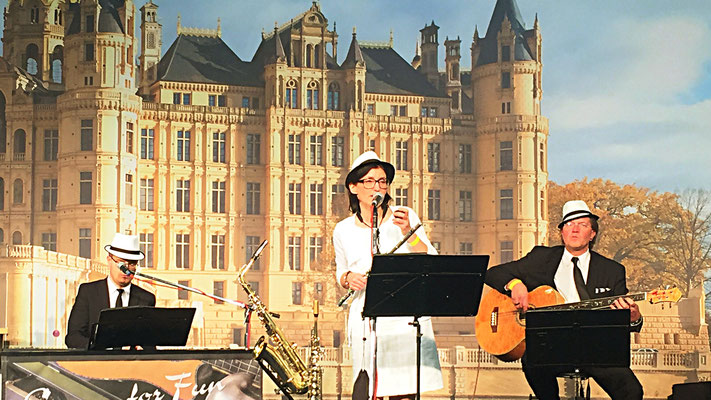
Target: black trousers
618, 383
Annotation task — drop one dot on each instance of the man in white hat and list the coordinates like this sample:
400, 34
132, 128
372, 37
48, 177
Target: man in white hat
578, 273
115, 290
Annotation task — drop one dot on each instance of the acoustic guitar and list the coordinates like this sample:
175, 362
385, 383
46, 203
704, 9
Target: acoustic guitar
501, 327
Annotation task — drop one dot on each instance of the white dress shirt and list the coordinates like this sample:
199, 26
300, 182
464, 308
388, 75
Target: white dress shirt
113, 293
563, 279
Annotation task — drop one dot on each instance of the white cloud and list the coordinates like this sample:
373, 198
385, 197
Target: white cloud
635, 73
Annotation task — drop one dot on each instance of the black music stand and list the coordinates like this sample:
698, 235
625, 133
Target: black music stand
141, 326
571, 340
417, 285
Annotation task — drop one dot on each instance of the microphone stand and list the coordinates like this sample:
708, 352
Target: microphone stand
397, 246
247, 307
374, 224
127, 271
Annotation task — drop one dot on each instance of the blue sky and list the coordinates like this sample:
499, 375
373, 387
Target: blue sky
626, 84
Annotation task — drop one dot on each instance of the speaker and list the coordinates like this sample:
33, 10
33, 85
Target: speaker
695, 390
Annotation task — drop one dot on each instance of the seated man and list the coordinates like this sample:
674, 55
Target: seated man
115, 290
578, 273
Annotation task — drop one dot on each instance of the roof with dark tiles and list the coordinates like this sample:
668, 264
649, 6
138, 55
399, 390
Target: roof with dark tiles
206, 59
109, 17
488, 45
388, 73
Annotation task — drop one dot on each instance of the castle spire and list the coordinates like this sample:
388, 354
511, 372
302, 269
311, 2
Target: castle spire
355, 55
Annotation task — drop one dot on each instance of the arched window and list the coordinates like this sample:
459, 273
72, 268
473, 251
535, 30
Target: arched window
292, 94
2, 194
32, 55
17, 237
312, 96
309, 54
3, 125
56, 66
334, 96
317, 56
151, 40
19, 145
58, 17
34, 15
17, 191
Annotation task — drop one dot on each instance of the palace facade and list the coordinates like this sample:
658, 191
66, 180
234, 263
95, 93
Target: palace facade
204, 154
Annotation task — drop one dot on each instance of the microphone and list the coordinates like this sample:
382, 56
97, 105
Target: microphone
125, 269
377, 199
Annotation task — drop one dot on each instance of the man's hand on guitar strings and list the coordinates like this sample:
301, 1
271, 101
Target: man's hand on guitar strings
626, 302
519, 295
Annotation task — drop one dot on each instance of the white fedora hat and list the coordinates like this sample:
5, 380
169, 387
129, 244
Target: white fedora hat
125, 247
369, 157
575, 209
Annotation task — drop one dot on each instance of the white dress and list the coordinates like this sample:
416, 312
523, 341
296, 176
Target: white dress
396, 342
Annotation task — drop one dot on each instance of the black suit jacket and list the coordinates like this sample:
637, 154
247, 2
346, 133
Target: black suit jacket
91, 299
606, 277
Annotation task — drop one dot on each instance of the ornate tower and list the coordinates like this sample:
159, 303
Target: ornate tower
430, 58
97, 127
33, 37
453, 81
151, 32
506, 71
355, 75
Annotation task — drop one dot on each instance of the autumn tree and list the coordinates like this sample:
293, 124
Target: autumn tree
630, 225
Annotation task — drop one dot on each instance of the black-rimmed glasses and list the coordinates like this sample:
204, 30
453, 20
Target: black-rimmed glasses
130, 263
370, 183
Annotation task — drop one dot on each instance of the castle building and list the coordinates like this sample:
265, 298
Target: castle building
204, 154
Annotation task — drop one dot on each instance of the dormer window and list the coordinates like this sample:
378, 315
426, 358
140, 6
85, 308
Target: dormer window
505, 53
34, 15
89, 22
58, 17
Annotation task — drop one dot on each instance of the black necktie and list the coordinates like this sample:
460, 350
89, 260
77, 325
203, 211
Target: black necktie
579, 281
119, 301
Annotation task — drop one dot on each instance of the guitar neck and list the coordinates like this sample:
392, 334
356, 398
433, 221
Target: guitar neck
234, 366
594, 304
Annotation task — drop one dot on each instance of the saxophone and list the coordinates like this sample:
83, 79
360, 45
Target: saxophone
281, 361
315, 354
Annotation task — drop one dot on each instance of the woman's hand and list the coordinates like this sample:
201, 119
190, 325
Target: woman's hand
356, 281
402, 220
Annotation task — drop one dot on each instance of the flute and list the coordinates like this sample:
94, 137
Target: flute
397, 246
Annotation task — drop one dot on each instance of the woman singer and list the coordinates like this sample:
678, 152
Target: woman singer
396, 348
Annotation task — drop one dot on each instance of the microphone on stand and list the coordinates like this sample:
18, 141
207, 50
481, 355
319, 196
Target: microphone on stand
125, 269
377, 199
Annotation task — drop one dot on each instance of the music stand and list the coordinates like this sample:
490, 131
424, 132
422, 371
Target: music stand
417, 285
141, 326
571, 340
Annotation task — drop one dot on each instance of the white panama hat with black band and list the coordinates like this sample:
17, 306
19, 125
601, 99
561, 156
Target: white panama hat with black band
125, 247
575, 209
369, 157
